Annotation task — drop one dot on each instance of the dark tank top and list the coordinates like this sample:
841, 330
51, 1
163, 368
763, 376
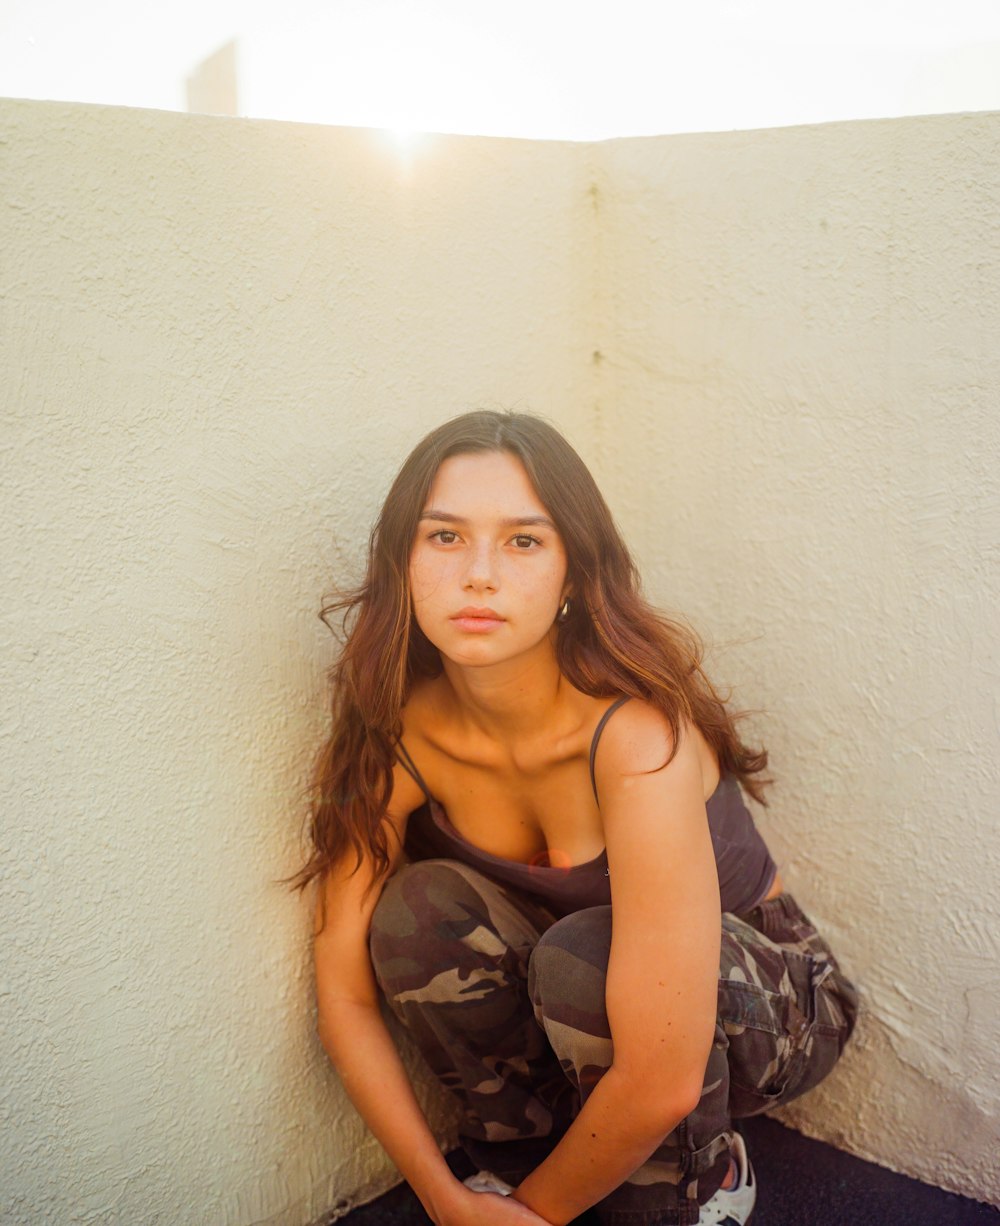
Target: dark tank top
745, 867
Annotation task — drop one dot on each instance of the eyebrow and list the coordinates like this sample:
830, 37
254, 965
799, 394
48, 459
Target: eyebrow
517, 521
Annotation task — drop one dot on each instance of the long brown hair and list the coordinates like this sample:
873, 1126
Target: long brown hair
612, 643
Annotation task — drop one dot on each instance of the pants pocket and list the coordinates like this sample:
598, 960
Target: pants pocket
833, 1004
759, 1045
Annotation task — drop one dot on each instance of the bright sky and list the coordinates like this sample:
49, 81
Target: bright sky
544, 68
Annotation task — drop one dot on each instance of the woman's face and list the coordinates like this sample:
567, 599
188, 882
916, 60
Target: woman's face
487, 567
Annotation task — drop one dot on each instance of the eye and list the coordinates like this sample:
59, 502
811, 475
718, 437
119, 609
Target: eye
445, 536
524, 540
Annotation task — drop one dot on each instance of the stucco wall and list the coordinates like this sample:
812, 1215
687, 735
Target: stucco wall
220, 338
799, 392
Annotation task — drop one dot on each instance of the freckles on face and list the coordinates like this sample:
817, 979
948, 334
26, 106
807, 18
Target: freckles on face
487, 566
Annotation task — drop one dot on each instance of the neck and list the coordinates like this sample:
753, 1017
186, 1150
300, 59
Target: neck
512, 699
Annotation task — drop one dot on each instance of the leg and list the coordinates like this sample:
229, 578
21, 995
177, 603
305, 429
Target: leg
783, 954
784, 1014
450, 950
566, 980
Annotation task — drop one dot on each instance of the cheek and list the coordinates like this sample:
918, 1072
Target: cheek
425, 578
544, 590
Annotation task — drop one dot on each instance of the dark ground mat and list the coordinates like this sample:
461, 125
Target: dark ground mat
800, 1183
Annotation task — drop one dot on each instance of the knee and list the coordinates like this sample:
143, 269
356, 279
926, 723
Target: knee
414, 899
569, 965
399, 923
566, 983
428, 911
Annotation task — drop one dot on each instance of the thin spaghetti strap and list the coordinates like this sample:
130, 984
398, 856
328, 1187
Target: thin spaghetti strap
407, 763
619, 702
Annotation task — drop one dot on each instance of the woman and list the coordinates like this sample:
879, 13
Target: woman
522, 750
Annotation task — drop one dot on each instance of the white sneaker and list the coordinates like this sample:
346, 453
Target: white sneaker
486, 1181
732, 1206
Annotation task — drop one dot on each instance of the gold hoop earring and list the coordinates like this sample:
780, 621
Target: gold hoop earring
563, 614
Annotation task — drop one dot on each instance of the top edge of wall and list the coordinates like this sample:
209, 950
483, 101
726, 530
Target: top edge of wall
152, 114
167, 116
868, 121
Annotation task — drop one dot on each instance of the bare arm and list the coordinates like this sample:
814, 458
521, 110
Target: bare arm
661, 988
358, 1042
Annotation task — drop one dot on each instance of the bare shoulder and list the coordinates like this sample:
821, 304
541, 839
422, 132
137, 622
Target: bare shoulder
637, 740
407, 796
351, 886
636, 737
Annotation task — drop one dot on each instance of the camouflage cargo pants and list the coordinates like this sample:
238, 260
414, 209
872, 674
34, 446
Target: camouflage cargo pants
506, 1002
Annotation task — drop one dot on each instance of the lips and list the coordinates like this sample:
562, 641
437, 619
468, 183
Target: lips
475, 619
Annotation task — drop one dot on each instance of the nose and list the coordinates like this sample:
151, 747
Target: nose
480, 570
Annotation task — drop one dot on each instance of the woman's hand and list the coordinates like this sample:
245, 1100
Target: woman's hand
467, 1208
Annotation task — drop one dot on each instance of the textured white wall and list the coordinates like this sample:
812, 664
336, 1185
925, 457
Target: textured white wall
799, 390
220, 339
